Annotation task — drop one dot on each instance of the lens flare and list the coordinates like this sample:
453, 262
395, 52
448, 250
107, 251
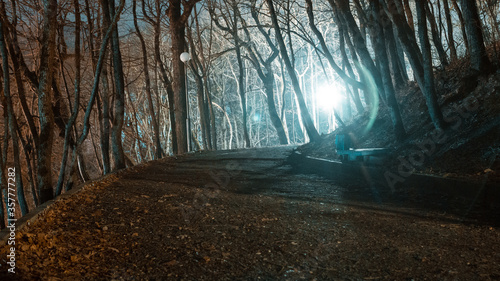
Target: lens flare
329, 97
371, 87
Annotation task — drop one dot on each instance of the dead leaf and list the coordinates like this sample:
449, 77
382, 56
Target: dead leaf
171, 263
114, 249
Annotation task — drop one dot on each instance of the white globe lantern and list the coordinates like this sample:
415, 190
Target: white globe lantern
185, 57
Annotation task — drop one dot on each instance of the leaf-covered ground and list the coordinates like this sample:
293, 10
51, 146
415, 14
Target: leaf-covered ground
243, 215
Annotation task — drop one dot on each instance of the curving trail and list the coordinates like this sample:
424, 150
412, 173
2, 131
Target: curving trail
246, 215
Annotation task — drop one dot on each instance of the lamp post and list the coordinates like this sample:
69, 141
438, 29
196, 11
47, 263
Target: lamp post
185, 57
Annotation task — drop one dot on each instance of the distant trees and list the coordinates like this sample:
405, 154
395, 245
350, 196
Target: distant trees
232, 27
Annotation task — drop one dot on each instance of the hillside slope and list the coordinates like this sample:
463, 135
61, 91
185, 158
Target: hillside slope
468, 147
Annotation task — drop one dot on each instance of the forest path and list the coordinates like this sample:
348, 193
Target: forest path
246, 215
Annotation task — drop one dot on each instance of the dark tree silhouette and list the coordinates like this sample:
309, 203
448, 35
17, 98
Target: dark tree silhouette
478, 56
306, 117
178, 13
428, 87
45, 114
149, 95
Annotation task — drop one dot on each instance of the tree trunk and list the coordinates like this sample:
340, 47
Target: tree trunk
165, 79
241, 90
462, 24
213, 129
436, 37
266, 75
103, 107
478, 56
13, 127
409, 14
15, 57
204, 66
383, 62
407, 39
304, 112
156, 128
397, 69
119, 82
451, 41
94, 92
342, 25
106, 124
273, 113
76, 104
45, 114
200, 94
178, 12
359, 43
27, 148
177, 32
429, 89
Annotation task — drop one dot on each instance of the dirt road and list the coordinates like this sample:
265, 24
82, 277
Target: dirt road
246, 215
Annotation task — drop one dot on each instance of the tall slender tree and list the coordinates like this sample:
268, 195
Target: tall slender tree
12, 124
147, 81
383, 62
109, 12
449, 24
45, 113
304, 111
178, 13
76, 104
478, 55
429, 89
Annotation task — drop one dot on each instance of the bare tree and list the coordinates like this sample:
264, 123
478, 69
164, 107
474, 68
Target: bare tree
12, 123
478, 56
428, 88
449, 24
232, 27
306, 117
76, 104
383, 62
156, 128
45, 114
178, 13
